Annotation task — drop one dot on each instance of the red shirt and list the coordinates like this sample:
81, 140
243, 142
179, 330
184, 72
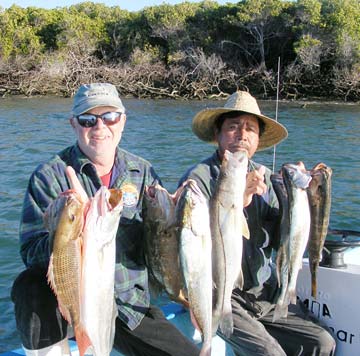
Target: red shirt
106, 179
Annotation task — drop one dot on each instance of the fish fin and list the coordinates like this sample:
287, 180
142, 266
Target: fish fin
245, 227
205, 349
51, 280
228, 219
281, 311
50, 273
216, 314
292, 296
239, 283
82, 339
113, 325
226, 322
65, 312
279, 261
182, 299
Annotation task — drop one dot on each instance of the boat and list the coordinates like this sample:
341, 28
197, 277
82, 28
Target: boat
337, 300
339, 272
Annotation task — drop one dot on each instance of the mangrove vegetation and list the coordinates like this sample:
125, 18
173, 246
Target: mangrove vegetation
188, 50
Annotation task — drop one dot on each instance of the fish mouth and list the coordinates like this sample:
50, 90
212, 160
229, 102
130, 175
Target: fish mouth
239, 146
150, 191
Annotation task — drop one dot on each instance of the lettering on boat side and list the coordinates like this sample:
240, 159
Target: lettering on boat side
323, 311
342, 335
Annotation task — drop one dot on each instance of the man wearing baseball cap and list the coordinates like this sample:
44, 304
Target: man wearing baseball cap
98, 120
240, 126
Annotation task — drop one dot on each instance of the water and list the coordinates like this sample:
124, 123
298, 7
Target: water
32, 130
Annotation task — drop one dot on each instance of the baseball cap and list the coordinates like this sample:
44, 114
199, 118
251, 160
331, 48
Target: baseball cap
93, 95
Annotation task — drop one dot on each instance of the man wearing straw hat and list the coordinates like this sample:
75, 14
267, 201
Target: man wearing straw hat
239, 125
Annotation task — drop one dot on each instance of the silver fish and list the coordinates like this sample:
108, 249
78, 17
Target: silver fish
98, 307
282, 257
296, 180
192, 214
228, 226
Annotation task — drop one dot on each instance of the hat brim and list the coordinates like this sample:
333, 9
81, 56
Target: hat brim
203, 126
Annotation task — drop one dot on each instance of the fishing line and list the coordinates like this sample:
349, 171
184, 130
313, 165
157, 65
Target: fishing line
276, 110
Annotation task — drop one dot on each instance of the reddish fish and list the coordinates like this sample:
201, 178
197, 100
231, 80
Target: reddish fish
66, 215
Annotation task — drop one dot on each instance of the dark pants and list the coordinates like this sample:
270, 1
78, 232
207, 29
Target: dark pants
40, 323
298, 334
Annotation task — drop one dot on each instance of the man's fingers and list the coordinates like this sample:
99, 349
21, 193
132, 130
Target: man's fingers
75, 183
261, 170
256, 187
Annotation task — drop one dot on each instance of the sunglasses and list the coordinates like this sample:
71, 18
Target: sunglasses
90, 120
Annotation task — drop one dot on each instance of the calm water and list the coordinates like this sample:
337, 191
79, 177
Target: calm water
32, 130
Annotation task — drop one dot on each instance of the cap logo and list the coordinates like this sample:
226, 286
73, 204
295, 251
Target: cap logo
97, 94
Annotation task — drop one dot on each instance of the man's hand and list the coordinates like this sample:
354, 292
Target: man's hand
254, 185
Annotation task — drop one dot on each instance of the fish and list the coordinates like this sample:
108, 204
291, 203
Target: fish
282, 256
228, 227
296, 180
162, 243
98, 307
319, 194
66, 215
192, 219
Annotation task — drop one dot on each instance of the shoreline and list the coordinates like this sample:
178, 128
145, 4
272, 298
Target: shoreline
303, 102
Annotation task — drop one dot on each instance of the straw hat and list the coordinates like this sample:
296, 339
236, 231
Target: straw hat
203, 124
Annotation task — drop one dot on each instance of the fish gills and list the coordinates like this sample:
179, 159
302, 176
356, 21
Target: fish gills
319, 193
162, 244
64, 270
98, 307
192, 214
228, 226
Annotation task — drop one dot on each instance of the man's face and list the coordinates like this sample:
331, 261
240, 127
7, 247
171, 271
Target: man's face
100, 141
239, 133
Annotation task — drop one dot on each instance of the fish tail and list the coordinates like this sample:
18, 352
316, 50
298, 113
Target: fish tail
313, 271
281, 311
206, 349
226, 323
82, 339
313, 288
292, 296
215, 320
